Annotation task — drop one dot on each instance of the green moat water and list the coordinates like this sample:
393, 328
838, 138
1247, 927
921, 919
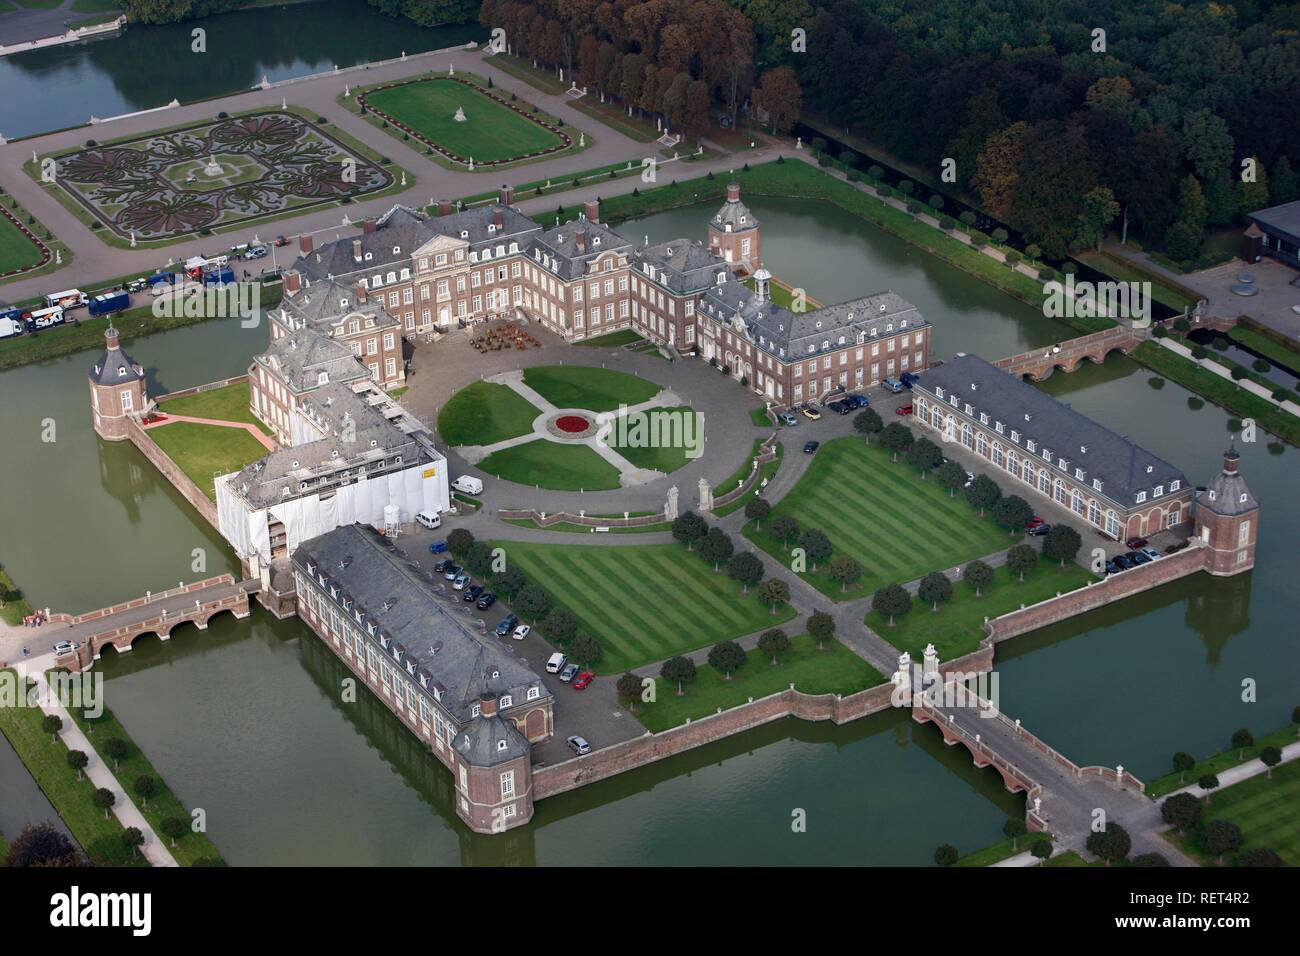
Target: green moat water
244, 719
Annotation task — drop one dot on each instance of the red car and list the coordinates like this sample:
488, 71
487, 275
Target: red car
1033, 522
903, 410
1134, 543
583, 679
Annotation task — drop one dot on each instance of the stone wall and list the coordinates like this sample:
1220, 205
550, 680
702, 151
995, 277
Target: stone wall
766, 453
1115, 587
172, 472
546, 519
149, 598
640, 751
210, 386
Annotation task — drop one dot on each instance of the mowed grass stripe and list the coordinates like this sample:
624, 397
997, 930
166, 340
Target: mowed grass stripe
680, 572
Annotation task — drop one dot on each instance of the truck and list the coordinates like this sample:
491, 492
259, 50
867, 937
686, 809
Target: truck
11, 326
468, 485
110, 303
70, 299
219, 277
44, 318
160, 278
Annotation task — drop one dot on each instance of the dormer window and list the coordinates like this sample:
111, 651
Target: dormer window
1141, 496
1160, 490
1096, 483
323, 378
533, 693
1175, 485
507, 701
501, 745
397, 250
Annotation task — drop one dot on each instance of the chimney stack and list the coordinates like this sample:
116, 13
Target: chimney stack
592, 210
498, 218
304, 244
487, 704
507, 196
356, 250
1231, 458
292, 282
445, 207
110, 337
368, 226
361, 292
580, 237
733, 192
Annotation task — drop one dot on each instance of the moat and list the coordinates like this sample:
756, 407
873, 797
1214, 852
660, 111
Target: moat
244, 719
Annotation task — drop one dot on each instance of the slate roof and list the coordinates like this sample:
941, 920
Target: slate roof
1283, 219
399, 602
1123, 467
299, 357
735, 213
115, 367
479, 742
569, 260
681, 266
324, 303
1227, 494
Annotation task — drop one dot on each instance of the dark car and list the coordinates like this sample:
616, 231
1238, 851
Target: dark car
1113, 568
909, 379
1124, 561
442, 566
1039, 530
281, 241
810, 446
1139, 557
486, 601
1134, 543
858, 401
507, 625
438, 547
842, 407
473, 592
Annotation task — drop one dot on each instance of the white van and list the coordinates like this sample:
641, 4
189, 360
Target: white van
428, 519
468, 485
556, 663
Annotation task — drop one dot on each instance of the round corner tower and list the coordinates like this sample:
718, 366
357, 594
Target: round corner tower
733, 234
117, 390
1227, 520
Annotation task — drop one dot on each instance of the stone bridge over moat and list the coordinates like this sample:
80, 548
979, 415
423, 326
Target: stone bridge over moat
1039, 363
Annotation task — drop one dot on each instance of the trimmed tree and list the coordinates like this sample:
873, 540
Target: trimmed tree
774, 642
586, 650
1270, 757
946, 855
867, 423
935, 588
680, 670
533, 602
104, 800
174, 828
783, 528
891, 601
951, 476
774, 591
716, 547
1208, 782
77, 760
628, 689
560, 625
459, 542
1012, 512
816, 546
821, 626
1183, 762
1181, 811
845, 569
115, 749
983, 493
132, 839
1022, 559
924, 455
145, 787
688, 528
1241, 739
756, 509
1041, 851
1014, 828
1111, 844
727, 657
896, 439
1062, 543
1220, 837
510, 581
52, 724
745, 568
479, 558
978, 575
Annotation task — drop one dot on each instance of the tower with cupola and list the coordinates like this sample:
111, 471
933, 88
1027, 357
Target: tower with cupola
1227, 520
117, 389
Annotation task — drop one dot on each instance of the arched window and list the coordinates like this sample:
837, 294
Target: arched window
982, 444
966, 438
1028, 472
998, 457
1112, 524
1094, 512
1044, 481
1012, 464
1077, 503
1060, 491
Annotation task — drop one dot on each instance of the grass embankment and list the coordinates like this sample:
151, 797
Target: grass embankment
1002, 850
1223, 392
163, 804
1284, 353
1267, 809
957, 627
766, 472
588, 387
611, 340
833, 670
484, 413
47, 761
896, 525
230, 403
1122, 271
205, 451
88, 333
644, 603
13, 606
1217, 763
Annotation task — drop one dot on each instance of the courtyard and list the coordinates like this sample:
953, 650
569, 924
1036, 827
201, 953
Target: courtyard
210, 433
175, 183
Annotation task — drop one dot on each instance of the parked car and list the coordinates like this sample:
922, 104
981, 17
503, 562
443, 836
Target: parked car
857, 401
908, 379
445, 565
460, 582
570, 671
892, 384
903, 410
255, 252
506, 625
452, 572
438, 547
1139, 557
810, 446
137, 285
522, 631
788, 419
64, 647
1038, 530
428, 519
473, 591
555, 663
281, 241
1113, 568
1124, 561
485, 601
579, 745
1151, 553
583, 679
841, 407
1134, 543
812, 413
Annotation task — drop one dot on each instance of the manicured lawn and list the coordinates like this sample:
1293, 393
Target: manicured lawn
16, 250
584, 386
549, 464
897, 526
1267, 810
230, 403
759, 417
833, 670
490, 132
1124, 272
163, 804
644, 603
671, 451
485, 413
957, 627
611, 340
1287, 355
47, 761
1220, 762
205, 451
1000, 851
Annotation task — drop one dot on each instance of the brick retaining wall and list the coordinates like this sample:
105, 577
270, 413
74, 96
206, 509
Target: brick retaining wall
767, 453
220, 579
563, 517
172, 472
1115, 587
640, 751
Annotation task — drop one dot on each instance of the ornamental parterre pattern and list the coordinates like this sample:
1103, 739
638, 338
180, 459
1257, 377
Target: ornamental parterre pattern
155, 187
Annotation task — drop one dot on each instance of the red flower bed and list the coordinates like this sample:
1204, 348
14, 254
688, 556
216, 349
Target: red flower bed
572, 423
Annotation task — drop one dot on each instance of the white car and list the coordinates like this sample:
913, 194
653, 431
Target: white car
579, 745
64, 647
461, 582
522, 631
428, 519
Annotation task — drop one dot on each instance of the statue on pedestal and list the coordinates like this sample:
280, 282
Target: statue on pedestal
670, 509
706, 496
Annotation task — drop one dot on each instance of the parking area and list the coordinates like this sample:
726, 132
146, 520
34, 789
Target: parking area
592, 712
